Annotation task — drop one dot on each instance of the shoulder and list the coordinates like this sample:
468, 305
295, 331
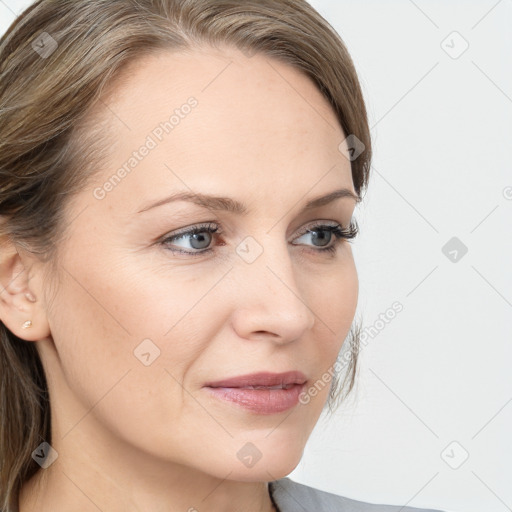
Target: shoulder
292, 496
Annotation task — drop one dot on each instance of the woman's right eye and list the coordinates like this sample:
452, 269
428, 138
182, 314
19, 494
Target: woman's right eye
195, 236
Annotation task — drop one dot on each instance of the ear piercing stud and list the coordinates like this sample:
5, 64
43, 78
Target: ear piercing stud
27, 324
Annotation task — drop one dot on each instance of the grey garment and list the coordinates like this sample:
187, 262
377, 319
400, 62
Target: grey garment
290, 496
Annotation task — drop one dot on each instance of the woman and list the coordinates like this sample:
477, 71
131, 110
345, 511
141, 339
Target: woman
178, 183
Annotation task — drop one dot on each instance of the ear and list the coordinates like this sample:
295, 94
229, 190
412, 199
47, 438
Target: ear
21, 293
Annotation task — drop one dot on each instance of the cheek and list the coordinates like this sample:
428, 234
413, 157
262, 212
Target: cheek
98, 380
124, 327
334, 303
334, 300
97, 321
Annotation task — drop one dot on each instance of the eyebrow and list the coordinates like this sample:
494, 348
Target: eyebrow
228, 204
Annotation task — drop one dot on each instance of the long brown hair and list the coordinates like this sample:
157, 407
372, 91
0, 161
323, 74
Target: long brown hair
56, 58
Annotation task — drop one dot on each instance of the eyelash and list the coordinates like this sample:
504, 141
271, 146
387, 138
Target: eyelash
337, 230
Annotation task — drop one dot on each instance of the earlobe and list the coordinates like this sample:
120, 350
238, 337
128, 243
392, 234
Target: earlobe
20, 310
27, 324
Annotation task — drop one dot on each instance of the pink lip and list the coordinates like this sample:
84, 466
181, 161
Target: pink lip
261, 399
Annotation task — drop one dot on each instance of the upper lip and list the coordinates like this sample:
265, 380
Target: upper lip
264, 379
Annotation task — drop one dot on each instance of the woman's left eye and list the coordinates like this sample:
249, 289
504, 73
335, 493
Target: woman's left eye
199, 237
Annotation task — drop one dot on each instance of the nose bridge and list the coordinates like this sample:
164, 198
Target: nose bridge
271, 291
267, 261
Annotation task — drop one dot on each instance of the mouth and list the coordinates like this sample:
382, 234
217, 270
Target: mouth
282, 386
260, 393
262, 380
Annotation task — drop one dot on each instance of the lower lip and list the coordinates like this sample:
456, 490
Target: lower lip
260, 401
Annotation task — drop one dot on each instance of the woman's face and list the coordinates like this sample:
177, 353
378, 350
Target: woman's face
138, 330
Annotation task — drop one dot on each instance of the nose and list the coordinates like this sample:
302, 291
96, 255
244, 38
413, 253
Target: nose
268, 302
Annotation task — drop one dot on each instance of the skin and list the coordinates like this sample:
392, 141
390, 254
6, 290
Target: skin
132, 437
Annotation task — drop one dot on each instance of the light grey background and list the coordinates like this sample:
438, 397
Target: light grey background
434, 383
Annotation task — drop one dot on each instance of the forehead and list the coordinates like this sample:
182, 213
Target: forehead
214, 120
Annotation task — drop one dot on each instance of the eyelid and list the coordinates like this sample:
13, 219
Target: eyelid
316, 224
214, 226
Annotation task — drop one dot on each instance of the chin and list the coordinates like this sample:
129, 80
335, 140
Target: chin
268, 458
266, 472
